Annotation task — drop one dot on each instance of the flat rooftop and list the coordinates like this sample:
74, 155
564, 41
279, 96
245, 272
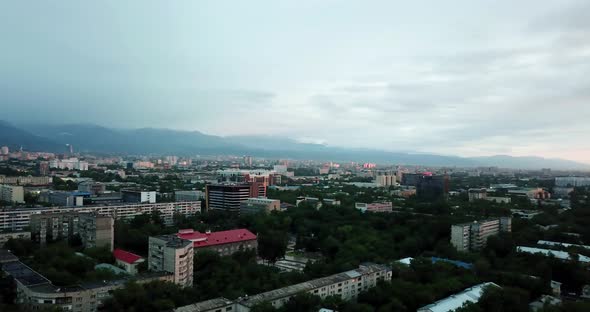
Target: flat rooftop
24, 274
456, 301
205, 305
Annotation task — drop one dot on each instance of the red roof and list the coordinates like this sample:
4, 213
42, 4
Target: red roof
125, 256
216, 238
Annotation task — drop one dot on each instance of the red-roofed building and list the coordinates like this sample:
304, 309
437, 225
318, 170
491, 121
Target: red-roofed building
224, 243
127, 260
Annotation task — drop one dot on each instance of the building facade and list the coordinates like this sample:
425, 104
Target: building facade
69, 164
20, 218
181, 196
28, 180
256, 205
97, 231
12, 194
94, 230
473, 236
226, 197
385, 180
174, 255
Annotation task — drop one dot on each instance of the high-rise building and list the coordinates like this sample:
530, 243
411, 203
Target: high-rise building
473, 236
385, 180
44, 168
248, 161
4, 150
375, 207
171, 254
12, 194
227, 197
433, 186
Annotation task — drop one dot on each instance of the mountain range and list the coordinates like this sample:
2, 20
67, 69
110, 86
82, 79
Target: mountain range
152, 141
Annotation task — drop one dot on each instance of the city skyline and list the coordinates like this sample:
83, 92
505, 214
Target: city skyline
467, 79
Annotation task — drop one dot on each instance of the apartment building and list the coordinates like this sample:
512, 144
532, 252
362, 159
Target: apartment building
477, 194
346, 286
12, 194
225, 243
18, 219
28, 180
174, 255
94, 230
97, 230
473, 236
385, 180
260, 204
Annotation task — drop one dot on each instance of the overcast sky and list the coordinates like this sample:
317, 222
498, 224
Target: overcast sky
452, 77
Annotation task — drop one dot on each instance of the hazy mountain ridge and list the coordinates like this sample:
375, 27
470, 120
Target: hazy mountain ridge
98, 139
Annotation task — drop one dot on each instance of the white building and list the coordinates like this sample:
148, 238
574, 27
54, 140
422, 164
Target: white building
456, 301
18, 219
171, 254
12, 194
4, 150
69, 164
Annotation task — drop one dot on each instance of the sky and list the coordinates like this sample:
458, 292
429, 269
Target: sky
457, 77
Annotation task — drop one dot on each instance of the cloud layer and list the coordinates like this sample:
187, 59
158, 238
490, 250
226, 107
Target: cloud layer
464, 78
